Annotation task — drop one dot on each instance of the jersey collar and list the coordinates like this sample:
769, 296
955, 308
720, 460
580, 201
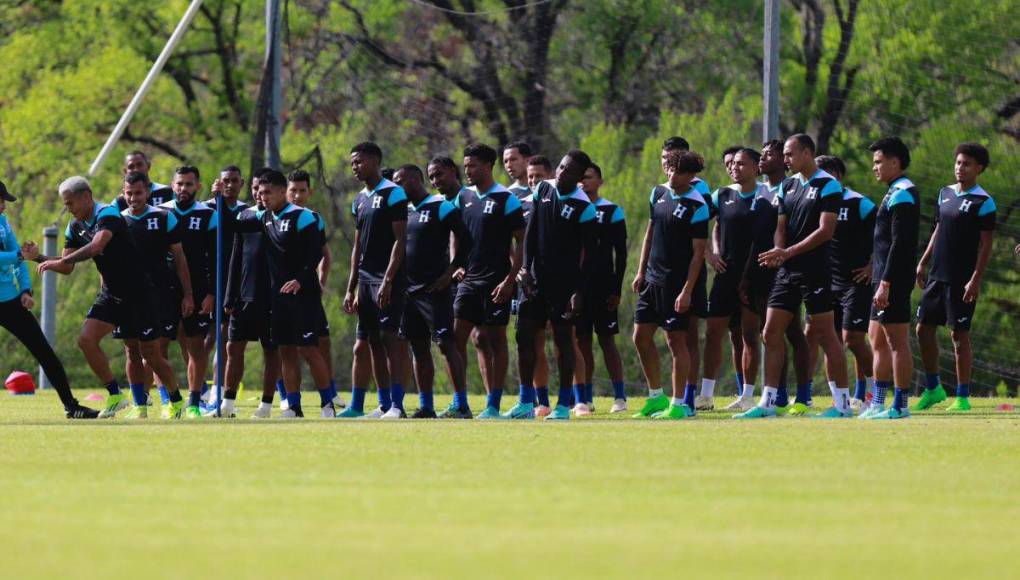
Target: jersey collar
428, 199
286, 209
687, 193
496, 187
382, 183
976, 190
127, 213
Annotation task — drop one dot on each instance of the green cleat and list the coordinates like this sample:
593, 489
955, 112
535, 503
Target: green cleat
652, 405
114, 403
892, 413
174, 410
350, 413
781, 411
930, 398
757, 412
560, 413
520, 411
138, 412
871, 411
675, 413
489, 413
834, 413
798, 410
192, 412
960, 405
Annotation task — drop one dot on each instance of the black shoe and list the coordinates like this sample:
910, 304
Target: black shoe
456, 414
424, 414
81, 412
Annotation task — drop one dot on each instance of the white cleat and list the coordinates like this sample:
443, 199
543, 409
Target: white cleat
112, 411
858, 405
376, 413
328, 412
619, 406
338, 402
703, 403
582, 410
265, 411
288, 414
741, 404
284, 404
393, 413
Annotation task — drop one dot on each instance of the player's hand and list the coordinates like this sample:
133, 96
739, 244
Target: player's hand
208, 303
502, 293
385, 289
187, 306
613, 302
527, 283
922, 276
49, 265
576, 303
30, 251
442, 283
638, 283
716, 261
971, 290
773, 258
217, 186
682, 303
459, 274
350, 304
862, 275
881, 298
27, 301
292, 287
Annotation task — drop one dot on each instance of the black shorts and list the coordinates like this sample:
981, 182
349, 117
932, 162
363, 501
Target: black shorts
249, 322
169, 314
549, 304
655, 306
699, 300
428, 314
323, 321
793, 288
759, 286
474, 304
371, 318
135, 318
852, 304
898, 311
596, 316
724, 299
197, 324
293, 319
942, 304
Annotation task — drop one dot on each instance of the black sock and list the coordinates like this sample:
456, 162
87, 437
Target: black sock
194, 398
175, 396
267, 399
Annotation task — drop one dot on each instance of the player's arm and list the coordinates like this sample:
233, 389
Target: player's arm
646, 250
986, 216
505, 288
714, 256
823, 233
863, 275
232, 296
922, 264
460, 247
683, 301
309, 249
396, 259
774, 257
65, 264
325, 265
618, 243
350, 298
181, 265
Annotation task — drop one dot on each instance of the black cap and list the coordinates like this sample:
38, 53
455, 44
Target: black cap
6, 194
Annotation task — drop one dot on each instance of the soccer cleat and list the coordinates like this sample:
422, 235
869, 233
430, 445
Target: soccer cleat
542, 411
376, 413
782, 411
960, 405
520, 411
291, 414
756, 413
338, 402
619, 406
264, 411
653, 405
857, 405
138, 412
581, 410
81, 412
675, 413
424, 414
192, 412
740, 404
394, 413
560, 413
929, 398
798, 410
702, 403
174, 410
892, 413
870, 411
114, 403
284, 404
328, 411
350, 413
455, 412
489, 413
226, 413
833, 413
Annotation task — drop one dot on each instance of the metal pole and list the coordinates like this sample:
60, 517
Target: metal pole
273, 127
770, 80
218, 318
150, 79
49, 298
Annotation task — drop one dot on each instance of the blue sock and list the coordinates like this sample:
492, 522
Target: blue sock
494, 399
803, 393
385, 402
325, 397
932, 382
880, 389
358, 398
164, 395
332, 385
619, 390
578, 392
566, 394
860, 389
281, 390
900, 399
527, 395
589, 392
461, 401
294, 400
740, 382
397, 395
963, 390
139, 395
542, 394
112, 387
689, 391
425, 401
205, 387
194, 398
782, 396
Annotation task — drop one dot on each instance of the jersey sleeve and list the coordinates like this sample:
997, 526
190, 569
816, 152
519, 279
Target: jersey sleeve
906, 219
830, 197
455, 222
71, 241
109, 219
699, 222
986, 215
396, 205
514, 212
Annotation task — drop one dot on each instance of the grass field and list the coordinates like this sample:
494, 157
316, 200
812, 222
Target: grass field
935, 496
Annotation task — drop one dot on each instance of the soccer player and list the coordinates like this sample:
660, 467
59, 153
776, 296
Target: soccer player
126, 298
850, 252
494, 218
539, 170
515, 163
728, 154
139, 162
672, 257
197, 223
293, 245
601, 298
377, 285
428, 313
958, 254
444, 175
16, 303
732, 238
807, 219
154, 232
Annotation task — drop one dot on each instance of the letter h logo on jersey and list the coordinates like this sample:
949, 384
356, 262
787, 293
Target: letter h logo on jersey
152, 224
283, 225
194, 223
812, 193
844, 214
423, 217
679, 211
599, 216
566, 212
965, 205
489, 206
376, 202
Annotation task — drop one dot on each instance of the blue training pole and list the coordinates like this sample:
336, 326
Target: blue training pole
219, 303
